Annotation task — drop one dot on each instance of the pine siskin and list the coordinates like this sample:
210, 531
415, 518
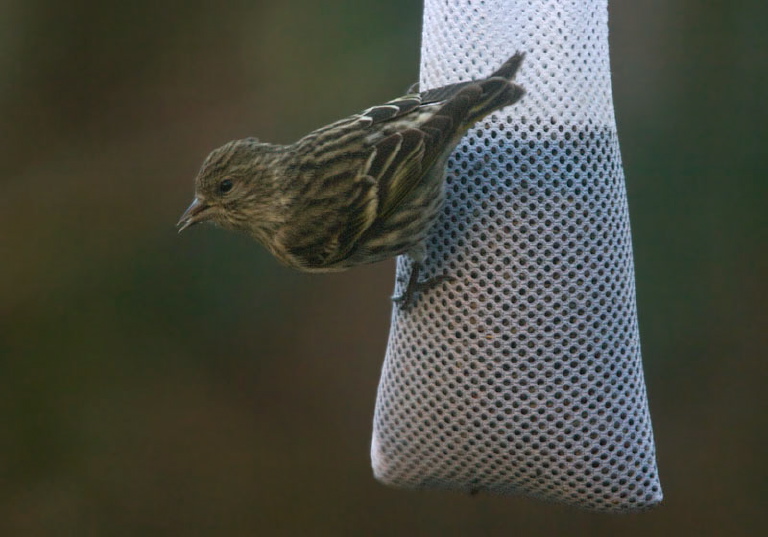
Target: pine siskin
360, 190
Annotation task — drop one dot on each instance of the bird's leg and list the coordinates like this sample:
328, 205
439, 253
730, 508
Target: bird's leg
414, 286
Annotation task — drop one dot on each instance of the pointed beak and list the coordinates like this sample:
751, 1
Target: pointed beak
193, 215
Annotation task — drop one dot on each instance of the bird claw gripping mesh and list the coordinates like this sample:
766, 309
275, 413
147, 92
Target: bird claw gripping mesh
522, 374
414, 287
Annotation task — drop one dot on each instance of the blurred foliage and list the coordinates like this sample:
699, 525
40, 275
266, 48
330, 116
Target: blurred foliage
164, 385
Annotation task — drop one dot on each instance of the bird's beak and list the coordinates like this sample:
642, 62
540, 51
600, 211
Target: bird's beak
193, 215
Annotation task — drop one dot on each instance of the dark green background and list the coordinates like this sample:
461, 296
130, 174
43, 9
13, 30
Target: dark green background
155, 384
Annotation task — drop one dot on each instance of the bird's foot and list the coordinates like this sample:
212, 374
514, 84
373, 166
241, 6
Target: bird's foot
414, 287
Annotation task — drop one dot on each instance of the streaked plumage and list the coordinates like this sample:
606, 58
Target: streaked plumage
360, 190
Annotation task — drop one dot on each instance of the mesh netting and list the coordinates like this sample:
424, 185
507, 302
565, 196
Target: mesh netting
523, 375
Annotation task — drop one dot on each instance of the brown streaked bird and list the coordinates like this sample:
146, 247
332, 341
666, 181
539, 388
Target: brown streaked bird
360, 190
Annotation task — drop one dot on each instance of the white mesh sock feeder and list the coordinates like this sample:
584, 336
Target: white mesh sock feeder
523, 375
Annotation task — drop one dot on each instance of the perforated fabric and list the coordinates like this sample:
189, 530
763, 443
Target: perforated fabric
523, 374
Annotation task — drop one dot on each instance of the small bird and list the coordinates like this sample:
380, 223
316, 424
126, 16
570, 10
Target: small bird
360, 190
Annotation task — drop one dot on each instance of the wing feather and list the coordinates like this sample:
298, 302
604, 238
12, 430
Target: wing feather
403, 153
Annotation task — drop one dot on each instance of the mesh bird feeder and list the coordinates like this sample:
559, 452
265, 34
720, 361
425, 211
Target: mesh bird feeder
523, 375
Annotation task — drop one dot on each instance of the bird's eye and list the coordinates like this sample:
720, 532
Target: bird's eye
225, 186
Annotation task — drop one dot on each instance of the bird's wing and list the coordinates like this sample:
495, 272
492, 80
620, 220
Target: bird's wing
396, 165
392, 109
418, 138
391, 171
361, 188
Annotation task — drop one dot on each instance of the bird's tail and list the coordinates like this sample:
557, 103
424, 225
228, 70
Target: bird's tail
510, 67
498, 90
466, 103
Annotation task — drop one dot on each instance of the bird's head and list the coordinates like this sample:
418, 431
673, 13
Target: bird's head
236, 188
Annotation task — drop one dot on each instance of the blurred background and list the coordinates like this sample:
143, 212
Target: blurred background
156, 384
